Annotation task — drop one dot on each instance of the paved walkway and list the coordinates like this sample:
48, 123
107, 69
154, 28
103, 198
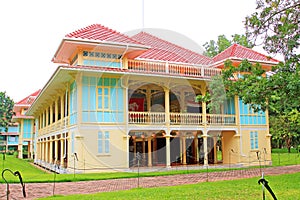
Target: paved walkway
37, 190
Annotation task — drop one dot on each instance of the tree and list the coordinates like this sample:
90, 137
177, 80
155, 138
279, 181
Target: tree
278, 93
276, 26
6, 110
213, 48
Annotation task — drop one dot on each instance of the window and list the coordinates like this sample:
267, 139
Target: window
103, 98
103, 142
254, 139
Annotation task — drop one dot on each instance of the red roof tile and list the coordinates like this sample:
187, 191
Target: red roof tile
29, 99
167, 51
241, 52
102, 33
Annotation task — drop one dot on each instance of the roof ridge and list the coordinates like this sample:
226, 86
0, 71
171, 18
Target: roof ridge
85, 33
170, 43
177, 48
261, 54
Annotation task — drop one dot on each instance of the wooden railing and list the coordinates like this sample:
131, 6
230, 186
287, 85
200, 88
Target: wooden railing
172, 69
219, 119
180, 118
146, 118
186, 118
58, 125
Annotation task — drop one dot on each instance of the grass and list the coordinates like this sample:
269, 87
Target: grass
284, 186
281, 157
32, 174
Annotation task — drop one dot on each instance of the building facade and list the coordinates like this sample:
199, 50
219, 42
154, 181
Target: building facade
20, 135
117, 101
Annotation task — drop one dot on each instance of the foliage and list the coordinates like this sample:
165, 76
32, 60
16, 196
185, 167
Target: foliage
6, 110
279, 94
213, 48
216, 95
276, 25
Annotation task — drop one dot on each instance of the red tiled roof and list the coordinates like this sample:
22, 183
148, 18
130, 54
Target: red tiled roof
167, 51
238, 51
102, 33
29, 99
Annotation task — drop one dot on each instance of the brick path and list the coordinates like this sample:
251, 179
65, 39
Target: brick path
37, 190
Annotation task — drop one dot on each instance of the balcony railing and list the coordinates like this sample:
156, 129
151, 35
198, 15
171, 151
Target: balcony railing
58, 125
219, 119
146, 118
180, 118
172, 69
186, 118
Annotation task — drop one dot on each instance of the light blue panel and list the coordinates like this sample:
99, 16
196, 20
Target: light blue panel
121, 117
107, 117
12, 129
27, 129
120, 99
113, 117
93, 98
85, 116
113, 99
242, 120
93, 117
98, 63
264, 120
85, 96
100, 116
73, 119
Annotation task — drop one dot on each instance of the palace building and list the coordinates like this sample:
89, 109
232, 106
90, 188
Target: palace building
20, 138
117, 101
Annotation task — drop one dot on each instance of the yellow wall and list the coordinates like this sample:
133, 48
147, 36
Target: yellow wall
87, 150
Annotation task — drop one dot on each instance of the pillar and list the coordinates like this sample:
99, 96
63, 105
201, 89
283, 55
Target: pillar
215, 150
149, 152
205, 149
167, 107
196, 147
51, 151
184, 150
56, 110
168, 157
51, 113
62, 151
56, 149
148, 98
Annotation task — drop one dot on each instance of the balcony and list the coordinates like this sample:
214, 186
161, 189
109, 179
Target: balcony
151, 118
58, 125
172, 69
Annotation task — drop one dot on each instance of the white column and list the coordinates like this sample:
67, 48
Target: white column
168, 149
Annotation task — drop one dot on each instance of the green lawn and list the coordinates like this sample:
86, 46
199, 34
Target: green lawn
284, 186
281, 157
32, 174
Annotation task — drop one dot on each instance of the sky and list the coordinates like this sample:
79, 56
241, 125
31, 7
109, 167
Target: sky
32, 30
